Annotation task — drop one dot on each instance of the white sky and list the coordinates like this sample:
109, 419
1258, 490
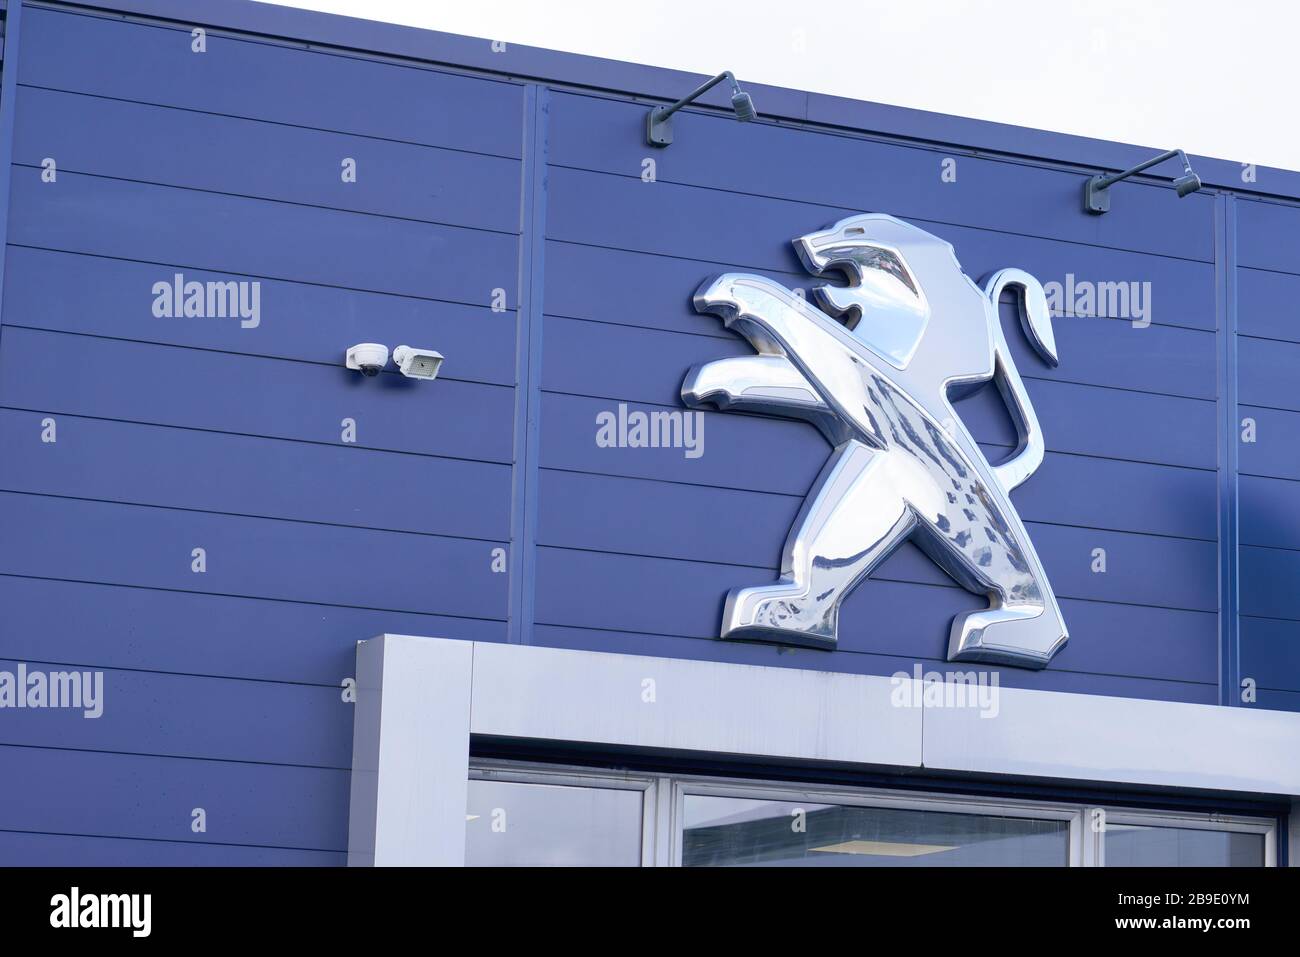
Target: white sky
1215, 77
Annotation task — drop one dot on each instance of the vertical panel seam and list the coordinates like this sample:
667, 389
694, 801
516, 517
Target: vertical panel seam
528, 359
8, 102
1225, 241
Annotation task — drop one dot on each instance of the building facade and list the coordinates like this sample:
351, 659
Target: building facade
208, 203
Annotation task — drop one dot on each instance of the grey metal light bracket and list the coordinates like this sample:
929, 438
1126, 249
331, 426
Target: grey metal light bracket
1096, 191
658, 121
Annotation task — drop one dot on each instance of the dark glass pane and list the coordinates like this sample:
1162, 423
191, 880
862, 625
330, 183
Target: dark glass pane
723, 831
544, 825
1131, 845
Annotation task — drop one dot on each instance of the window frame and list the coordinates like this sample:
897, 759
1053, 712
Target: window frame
849, 796
663, 806
514, 772
1205, 821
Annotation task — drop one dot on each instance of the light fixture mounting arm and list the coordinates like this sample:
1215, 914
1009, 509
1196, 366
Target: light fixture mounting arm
1096, 191
658, 121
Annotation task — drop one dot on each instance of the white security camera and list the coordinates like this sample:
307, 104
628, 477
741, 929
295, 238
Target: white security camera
368, 357
417, 363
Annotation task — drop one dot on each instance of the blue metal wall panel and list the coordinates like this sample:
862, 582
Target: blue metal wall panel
754, 231
856, 174
177, 433
214, 718
1269, 459
1274, 451
1267, 302
1124, 432
1182, 290
1267, 239
1270, 512
1268, 372
175, 227
222, 154
1270, 649
166, 385
152, 798
132, 627
116, 461
154, 64
64, 850
691, 523
147, 546
99, 296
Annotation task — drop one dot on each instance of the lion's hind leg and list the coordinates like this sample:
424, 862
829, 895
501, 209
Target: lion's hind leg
851, 520
1026, 636
988, 551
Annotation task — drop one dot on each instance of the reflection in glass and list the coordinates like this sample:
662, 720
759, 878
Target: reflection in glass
723, 831
1133, 845
544, 825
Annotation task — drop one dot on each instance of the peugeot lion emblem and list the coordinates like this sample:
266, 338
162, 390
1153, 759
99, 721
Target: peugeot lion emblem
874, 366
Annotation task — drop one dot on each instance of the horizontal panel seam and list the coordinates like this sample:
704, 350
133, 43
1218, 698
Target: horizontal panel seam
329, 131
252, 275
1270, 269
178, 757
285, 43
250, 515
1258, 338
941, 662
749, 415
274, 598
875, 576
800, 495
54, 330
172, 840
164, 673
1267, 408
901, 214
344, 210
1079, 385
360, 447
732, 337
1037, 523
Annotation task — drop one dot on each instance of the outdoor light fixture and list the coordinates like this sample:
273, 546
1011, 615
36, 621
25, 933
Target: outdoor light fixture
417, 363
659, 124
1096, 192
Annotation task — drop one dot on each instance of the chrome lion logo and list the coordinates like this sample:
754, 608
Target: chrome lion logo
874, 369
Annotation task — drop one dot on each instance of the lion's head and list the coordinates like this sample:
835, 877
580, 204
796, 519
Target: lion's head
889, 265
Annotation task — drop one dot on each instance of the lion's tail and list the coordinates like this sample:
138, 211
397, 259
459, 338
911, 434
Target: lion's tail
1035, 316
1036, 320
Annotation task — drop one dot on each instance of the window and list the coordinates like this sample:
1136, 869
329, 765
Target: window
1135, 845
528, 823
534, 815
1167, 840
720, 831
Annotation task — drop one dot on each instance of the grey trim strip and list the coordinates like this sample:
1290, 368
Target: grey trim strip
410, 752
420, 699
675, 704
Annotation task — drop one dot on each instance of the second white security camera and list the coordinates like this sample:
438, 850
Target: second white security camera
417, 363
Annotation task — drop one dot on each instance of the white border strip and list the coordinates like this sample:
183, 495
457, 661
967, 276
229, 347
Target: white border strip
420, 699
1050, 734
410, 752
680, 705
